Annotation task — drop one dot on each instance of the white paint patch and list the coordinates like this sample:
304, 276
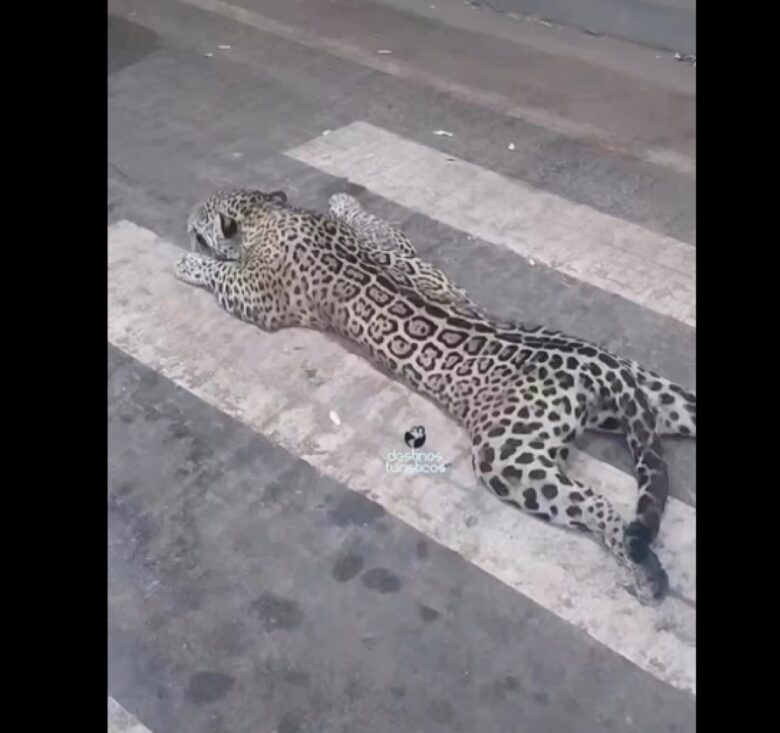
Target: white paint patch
261, 379
120, 721
655, 271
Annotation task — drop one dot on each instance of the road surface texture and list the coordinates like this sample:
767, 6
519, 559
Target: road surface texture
269, 570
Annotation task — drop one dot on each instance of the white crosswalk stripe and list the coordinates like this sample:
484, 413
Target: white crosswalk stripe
652, 270
264, 381
120, 721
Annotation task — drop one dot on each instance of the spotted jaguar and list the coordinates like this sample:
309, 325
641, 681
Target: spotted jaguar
523, 393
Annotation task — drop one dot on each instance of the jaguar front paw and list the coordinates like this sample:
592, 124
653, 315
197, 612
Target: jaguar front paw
191, 269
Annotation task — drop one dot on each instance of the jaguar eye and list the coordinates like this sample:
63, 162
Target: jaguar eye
229, 226
201, 242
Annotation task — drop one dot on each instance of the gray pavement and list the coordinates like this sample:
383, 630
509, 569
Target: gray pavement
248, 592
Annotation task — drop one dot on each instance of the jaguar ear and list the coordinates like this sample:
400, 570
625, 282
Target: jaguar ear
228, 226
278, 197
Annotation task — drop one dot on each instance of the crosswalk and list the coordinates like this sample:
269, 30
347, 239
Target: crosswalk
264, 381
270, 567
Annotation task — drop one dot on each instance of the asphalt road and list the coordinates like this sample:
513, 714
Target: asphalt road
265, 572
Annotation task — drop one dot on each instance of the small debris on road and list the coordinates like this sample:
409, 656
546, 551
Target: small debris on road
442, 133
686, 57
335, 419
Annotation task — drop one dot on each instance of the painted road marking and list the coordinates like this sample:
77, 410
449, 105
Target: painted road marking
650, 269
120, 721
398, 68
285, 385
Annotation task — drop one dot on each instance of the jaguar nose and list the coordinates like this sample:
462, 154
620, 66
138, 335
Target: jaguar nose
199, 243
